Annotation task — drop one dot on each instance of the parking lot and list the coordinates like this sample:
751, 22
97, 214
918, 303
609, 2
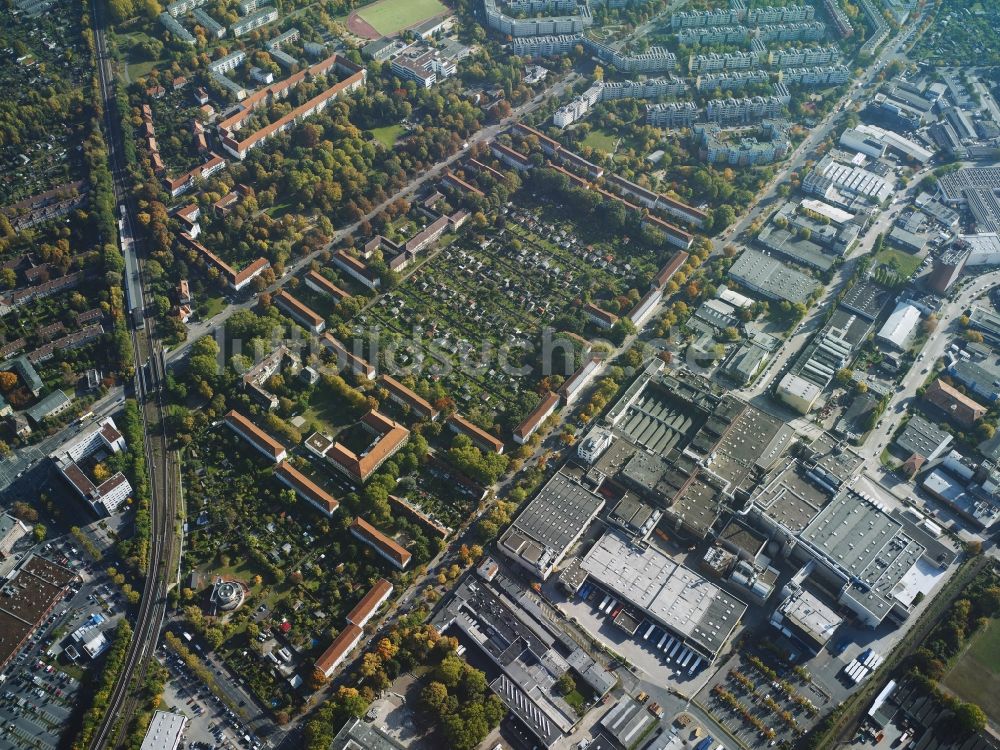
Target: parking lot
643, 653
210, 722
38, 694
36, 705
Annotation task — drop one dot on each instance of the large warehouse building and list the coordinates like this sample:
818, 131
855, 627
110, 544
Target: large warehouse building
871, 557
687, 605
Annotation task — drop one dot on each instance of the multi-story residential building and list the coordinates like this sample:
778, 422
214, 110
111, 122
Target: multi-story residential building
306, 489
228, 62
804, 56
823, 75
484, 440
510, 157
180, 7
653, 60
706, 35
255, 20
545, 46
653, 88
292, 35
880, 29
806, 31
384, 438
839, 18
730, 61
175, 27
266, 445
104, 498
208, 23
300, 312
731, 81
229, 127
746, 109
672, 114
507, 25
690, 19
785, 14
745, 151
385, 546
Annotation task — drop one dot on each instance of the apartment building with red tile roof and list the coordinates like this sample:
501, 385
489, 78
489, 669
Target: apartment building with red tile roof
476, 434
601, 317
671, 267
259, 439
388, 436
345, 358
337, 651
675, 235
228, 128
407, 397
452, 179
370, 602
300, 312
306, 489
537, 417
510, 157
356, 269
237, 280
385, 546
322, 285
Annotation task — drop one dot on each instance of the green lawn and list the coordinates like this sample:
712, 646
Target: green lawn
598, 139
388, 135
976, 674
213, 306
904, 263
389, 16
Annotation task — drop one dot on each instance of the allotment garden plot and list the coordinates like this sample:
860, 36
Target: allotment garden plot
499, 295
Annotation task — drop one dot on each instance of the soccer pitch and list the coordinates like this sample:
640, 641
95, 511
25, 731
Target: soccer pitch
389, 16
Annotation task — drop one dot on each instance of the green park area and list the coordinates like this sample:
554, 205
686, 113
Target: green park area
389, 16
903, 263
388, 135
601, 140
975, 675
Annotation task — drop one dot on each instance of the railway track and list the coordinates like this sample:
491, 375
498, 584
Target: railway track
147, 389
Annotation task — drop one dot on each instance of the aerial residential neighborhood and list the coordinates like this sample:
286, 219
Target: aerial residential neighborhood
500, 375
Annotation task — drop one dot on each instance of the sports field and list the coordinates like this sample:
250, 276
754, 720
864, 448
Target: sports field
389, 16
976, 674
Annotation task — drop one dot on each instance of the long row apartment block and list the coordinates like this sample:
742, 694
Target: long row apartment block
749, 108
737, 81
653, 88
230, 127
652, 60
738, 14
822, 75
575, 19
804, 56
713, 62
650, 199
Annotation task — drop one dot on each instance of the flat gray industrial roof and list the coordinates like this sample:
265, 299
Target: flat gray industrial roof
771, 277
864, 541
867, 299
921, 437
552, 520
685, 602
789, 499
